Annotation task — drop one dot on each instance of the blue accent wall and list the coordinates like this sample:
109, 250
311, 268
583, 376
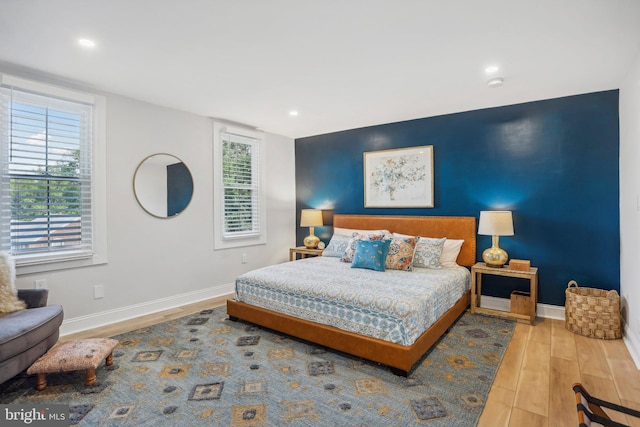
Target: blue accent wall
554, 163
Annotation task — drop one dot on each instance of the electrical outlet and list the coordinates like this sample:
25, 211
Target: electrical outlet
244, 258
98, 291
40, 284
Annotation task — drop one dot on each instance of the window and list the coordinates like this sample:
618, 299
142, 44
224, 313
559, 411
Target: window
239, 198
46, 164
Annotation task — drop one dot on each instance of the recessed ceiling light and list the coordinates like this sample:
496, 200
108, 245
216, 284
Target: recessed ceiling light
293, 113
497, 82
86, 43
491, 69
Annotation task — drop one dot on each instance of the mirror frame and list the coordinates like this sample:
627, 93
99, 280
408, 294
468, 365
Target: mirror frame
135, 193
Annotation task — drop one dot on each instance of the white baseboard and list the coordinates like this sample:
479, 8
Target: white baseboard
96, 320
504, 304
633, 344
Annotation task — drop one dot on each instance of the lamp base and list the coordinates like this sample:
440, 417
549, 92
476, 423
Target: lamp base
311, 241
495, 257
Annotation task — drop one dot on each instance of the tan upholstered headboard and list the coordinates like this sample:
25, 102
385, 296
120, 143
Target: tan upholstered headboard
452, 227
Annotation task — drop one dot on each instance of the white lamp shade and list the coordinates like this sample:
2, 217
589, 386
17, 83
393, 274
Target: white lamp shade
496, 223
310, 217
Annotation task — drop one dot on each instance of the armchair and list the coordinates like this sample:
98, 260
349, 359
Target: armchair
26, 335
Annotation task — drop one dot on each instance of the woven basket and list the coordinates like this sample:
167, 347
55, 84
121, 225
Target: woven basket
592, 312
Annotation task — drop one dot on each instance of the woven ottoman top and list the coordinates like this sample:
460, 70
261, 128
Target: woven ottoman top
74, 356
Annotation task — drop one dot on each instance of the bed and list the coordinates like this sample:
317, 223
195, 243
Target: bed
379, 342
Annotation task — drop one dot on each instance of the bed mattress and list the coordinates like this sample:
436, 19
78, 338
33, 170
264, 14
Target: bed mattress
394, 306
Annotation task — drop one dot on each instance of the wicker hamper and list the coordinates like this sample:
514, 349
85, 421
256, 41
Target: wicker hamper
592, 312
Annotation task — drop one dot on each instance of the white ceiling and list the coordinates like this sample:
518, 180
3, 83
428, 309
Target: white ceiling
342, 64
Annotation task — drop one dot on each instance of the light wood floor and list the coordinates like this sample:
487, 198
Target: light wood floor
533, 384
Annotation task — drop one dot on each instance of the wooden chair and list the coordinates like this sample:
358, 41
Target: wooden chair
591, 414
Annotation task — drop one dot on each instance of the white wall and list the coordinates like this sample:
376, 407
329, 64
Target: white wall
157, 263
630, 208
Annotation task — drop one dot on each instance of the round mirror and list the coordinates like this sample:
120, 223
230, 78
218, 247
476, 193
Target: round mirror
163, 185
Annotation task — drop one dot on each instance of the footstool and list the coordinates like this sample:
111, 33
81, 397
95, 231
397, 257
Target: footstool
76, 355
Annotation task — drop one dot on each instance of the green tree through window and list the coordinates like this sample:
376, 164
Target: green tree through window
239, 200
239, 188
47, 168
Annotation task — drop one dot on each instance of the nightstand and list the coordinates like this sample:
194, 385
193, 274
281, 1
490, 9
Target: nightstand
303, 251
481, 268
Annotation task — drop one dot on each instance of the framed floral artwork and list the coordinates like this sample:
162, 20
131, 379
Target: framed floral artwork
401, 178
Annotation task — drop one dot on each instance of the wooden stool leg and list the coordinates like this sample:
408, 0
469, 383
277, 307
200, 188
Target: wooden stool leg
91, 377
109, 360
42, 382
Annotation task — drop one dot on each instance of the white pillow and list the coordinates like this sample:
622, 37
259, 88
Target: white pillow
450, 252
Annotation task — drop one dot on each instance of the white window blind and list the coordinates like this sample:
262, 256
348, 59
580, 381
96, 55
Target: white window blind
45, 163
239, 187
240, 181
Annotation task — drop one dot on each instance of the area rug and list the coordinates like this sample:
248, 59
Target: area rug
204, 369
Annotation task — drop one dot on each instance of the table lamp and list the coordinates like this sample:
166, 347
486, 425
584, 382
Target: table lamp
495, 224
311, 218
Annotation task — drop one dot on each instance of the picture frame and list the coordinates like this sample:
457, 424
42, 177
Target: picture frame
399, 178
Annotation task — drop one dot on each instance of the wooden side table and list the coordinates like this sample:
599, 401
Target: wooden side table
303, 251
481, 268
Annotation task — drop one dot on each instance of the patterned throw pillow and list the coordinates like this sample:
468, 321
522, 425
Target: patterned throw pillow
401, 253
337, 245
428, 252
371, 254
347, 255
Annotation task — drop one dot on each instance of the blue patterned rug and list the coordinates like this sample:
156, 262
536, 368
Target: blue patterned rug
206, 370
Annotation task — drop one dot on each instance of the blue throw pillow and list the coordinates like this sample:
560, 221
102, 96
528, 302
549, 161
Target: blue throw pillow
371, 254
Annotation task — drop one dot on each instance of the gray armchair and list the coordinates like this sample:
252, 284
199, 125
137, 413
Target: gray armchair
26, 335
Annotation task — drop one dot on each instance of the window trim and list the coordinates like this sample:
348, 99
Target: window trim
220, 242
37, 263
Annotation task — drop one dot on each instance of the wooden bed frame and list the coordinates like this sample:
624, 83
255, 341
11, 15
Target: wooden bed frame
399, 358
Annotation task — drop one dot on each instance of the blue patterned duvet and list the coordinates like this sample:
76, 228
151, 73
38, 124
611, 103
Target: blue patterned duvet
395, 306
